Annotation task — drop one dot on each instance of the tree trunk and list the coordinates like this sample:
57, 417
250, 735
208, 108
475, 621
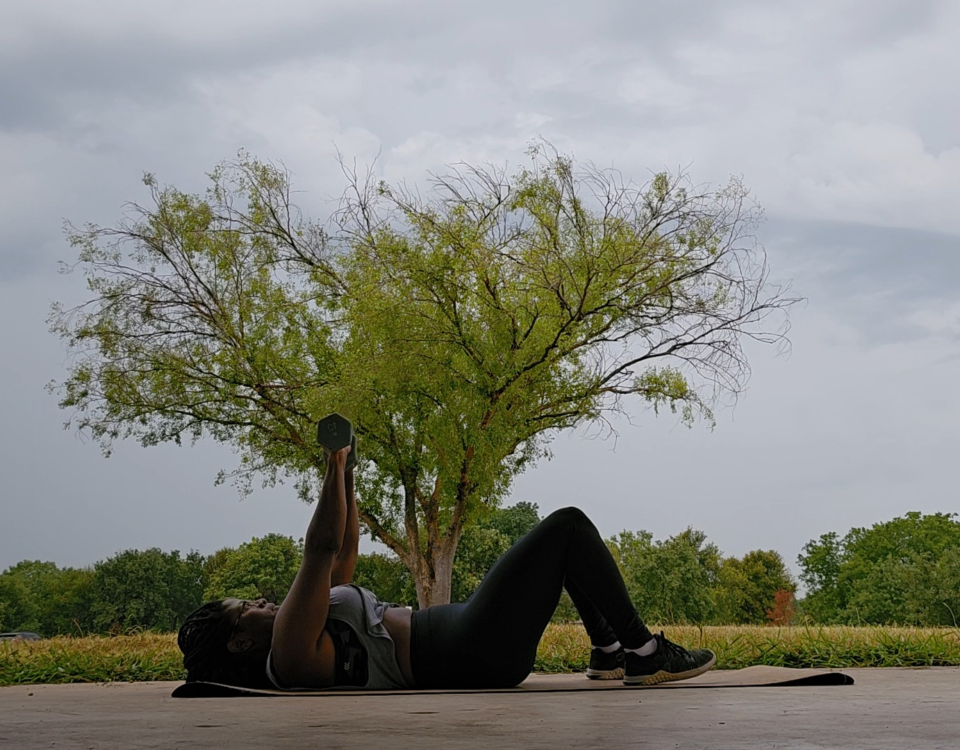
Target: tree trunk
431, 559
430, 549
430, 566
434, 578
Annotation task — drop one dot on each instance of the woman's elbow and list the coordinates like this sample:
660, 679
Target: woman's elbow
321, 544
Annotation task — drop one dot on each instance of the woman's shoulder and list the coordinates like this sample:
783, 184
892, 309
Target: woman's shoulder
351, 591
357, 601
345, 592
352, 597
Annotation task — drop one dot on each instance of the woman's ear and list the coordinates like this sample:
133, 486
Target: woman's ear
237, 645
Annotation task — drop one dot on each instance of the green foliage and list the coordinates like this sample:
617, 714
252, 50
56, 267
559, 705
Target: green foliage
66, 611
387, 577
459, 331
514, 521
748, 587
672, 580
263, 567
904, 571
136, 590
484, 542
42, 598
820, 564
16, 607
123, 658
685, 579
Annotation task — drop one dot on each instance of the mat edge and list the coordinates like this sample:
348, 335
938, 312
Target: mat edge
218, 690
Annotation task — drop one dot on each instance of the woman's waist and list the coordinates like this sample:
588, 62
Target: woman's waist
397, 620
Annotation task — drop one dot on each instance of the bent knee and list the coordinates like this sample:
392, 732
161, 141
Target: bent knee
572, 516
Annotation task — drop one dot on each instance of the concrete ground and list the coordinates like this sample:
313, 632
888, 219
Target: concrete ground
886, 708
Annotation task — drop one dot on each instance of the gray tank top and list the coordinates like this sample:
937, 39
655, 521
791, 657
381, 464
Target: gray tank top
362, 611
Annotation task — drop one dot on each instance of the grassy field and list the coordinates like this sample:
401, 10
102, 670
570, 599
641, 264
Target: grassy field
564, 648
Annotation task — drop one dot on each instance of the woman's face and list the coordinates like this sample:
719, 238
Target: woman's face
253, 624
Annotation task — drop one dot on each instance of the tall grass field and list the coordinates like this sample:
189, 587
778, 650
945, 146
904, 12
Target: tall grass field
564, 648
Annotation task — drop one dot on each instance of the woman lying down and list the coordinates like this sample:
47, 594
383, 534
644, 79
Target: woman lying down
330, 633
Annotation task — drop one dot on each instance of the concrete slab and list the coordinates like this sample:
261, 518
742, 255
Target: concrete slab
886, 708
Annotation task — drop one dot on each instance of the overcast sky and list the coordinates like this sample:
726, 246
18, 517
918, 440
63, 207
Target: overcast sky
841, 116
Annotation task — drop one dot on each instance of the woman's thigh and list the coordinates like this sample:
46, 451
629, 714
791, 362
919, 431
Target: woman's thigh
521, 591
491, 640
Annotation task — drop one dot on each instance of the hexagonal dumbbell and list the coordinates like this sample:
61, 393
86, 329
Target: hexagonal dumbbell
335, 432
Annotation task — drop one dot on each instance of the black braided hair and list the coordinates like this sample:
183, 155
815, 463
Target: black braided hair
203, 640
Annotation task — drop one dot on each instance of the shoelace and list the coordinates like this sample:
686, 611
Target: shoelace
671, 647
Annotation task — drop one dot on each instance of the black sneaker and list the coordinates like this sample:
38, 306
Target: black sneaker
605, 666
668, 663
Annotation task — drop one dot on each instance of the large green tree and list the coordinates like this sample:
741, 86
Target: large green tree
145, 590
16, 608
903, 571
820, 564
748, 586
459, 329
41, 597
669, 581
263, 567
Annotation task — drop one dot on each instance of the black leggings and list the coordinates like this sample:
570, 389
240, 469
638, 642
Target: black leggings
491, 640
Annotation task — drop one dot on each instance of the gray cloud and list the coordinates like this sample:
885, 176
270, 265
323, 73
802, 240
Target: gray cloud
879, 280
840, 115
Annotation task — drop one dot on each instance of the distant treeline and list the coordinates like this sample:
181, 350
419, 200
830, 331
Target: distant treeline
905, 571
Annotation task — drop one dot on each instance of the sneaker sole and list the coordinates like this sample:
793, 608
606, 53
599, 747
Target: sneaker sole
610, 674
661, 676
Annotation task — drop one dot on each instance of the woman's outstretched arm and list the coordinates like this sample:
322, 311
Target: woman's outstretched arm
346, 561
302, 653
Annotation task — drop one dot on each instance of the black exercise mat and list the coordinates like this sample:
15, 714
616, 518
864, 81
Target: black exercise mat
558, 683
